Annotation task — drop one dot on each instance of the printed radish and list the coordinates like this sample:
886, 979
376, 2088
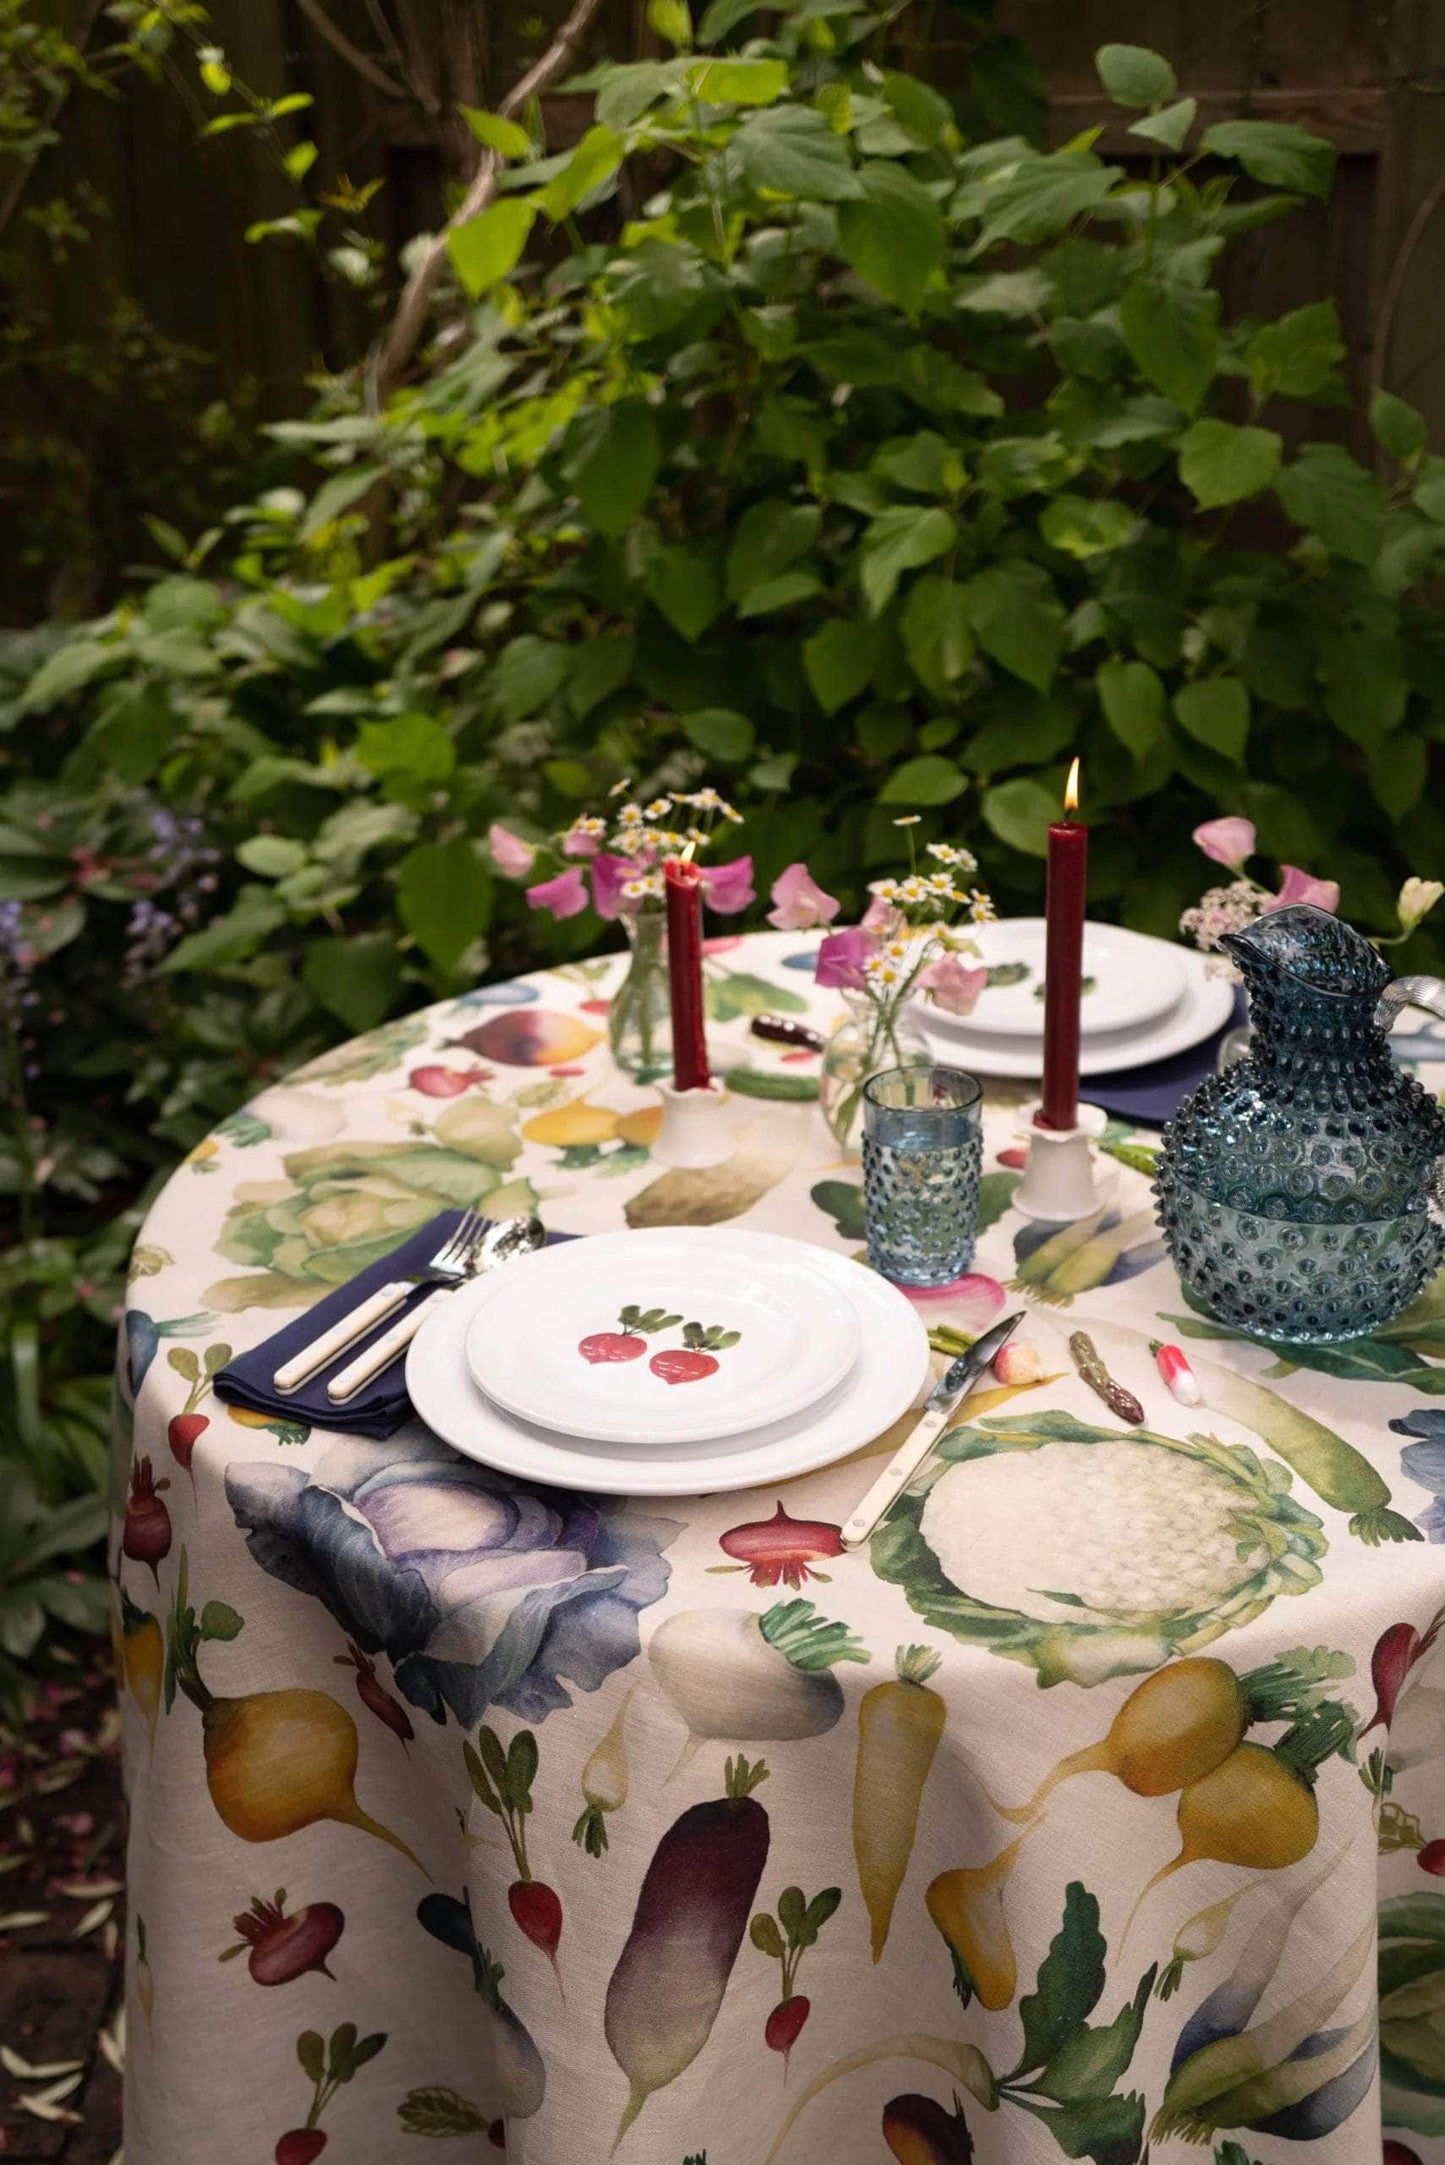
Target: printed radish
519, 2080
373, 1693
900, 1727
629, 1343
186, 1426
146, 1538
301, 2146
1396, 2153
181, 1434
663, 1997
604, 1784
739, 1678
502, 1778
781, 1549
276, 1761
919, 2132
1432, 1859
446, 1082
1178, 1377
786, 1939
695, 1359
1018, 1363
326, 2066
1396, 1653
283, 1948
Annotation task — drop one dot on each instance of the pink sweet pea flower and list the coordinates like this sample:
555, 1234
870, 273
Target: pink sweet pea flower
952, 985
510, 854
1297, 886
577, 843
799, 902
728, 887
564, 896
1227, 841
841, 958
877, 914
608, 874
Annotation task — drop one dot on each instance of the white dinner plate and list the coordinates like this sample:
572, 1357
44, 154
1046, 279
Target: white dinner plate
661, 1336
890, 1373
1205, 1007
1130, 979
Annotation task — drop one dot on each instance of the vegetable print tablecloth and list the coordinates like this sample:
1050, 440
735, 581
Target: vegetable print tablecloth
1058, 1825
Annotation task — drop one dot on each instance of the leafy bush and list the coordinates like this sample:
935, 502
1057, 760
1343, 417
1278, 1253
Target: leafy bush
868, 469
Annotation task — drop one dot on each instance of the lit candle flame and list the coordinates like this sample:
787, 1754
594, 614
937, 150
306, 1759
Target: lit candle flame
1071, 792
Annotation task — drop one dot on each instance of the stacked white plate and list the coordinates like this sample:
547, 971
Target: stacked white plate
668, 1362
1144, 1000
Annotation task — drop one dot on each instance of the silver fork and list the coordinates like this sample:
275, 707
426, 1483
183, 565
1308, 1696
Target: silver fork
449, 1266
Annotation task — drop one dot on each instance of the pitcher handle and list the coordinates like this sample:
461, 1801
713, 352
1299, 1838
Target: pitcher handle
1427, 992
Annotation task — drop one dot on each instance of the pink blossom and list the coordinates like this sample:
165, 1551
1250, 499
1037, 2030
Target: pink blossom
799, 902
728, 887
564, 896
953, 986
608, 875
1297, 886
576, 842
510, 854
841, 959
877, 914
1226, 841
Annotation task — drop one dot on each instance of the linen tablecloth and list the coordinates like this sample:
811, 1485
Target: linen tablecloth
494, 1816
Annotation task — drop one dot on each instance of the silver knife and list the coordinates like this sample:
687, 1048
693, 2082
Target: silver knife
952, 1386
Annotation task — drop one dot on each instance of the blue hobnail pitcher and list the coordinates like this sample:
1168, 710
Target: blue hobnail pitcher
1302, 1191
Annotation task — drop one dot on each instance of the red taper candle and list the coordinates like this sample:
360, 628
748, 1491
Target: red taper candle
1064, 962
683, 881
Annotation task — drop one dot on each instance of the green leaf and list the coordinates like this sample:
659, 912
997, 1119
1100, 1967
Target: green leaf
67, 671
494, 132
765, 1936
599, 668
838, 661
1133, 75
488, 247
783, 592
1020, 812
1042, 195
356, 978
1018, 620
823, 1906
1088, 2062
900, 540
771, 535
611, 464
842, 1201
137, 729
937, 637
928, 779
1132, 697
791, 151
521, 1770
271, 856
721, 734
671, 19
1298, 355
220, 1621
627, 91
1398, 773
444, 898
1366, 688
1333, 496
1398, 428
594, 161
1215, 711
1275, 153
255, 915
185, 1363
894, 235
738, 82
723, 16
529, 671
1170, 127
1221, 464
311, 2052
481, 1784
1085, 526
683, 585
410, 748
1070, 1980
920, 111
1172, 332
1110, 2130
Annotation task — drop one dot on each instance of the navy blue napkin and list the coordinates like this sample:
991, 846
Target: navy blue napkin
383, 1406
1153, 1094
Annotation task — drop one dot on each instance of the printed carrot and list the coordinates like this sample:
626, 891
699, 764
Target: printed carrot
900, 1727
693, 1909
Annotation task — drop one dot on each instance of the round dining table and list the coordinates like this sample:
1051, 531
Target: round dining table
1095, 1808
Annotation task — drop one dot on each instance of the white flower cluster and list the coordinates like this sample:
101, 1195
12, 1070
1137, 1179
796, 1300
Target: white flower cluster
637, 831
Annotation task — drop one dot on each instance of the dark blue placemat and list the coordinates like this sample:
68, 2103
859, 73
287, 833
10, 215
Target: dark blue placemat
381, 1408
1151, 1095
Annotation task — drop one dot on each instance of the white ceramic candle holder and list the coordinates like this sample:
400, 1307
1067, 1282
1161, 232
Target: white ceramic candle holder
1060, 1182
695, 1131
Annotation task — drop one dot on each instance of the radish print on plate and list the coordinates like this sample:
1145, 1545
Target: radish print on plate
627, 1342
696, 1358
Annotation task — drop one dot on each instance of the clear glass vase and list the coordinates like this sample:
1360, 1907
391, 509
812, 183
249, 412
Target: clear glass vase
867, 1040
639, 1021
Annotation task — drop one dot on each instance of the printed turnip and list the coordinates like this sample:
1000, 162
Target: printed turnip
740, 1678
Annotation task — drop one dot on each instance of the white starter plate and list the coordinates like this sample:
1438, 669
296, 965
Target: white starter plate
1135, 979
1205, 1007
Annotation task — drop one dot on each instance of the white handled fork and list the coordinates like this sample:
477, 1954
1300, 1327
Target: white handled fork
449, 1266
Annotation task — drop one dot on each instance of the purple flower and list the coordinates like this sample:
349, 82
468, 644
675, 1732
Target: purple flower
608, 875
953, 986
799, 902
1297, 886
510, 854
564, 896
1228, 841
728, 887
842, 957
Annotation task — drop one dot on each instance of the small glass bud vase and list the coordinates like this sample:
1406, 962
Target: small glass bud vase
869, 1039
639, 1020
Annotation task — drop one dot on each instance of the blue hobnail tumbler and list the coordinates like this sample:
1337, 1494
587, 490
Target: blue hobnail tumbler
922, 1162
